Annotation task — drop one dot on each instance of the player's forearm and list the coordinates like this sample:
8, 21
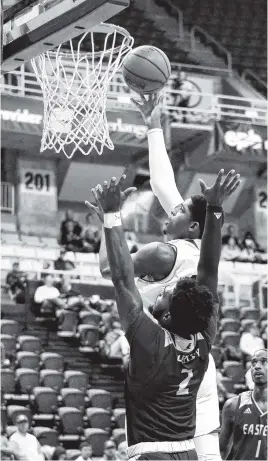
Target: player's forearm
119, 258
211, 242
161, 172
103, 258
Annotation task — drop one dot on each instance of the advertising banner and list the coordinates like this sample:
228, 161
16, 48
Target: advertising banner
241, 140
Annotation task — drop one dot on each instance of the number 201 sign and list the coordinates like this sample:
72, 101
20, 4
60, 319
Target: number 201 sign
38, 182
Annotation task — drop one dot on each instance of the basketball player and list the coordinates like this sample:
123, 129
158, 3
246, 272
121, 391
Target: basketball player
159, 265
167, 360
244, 419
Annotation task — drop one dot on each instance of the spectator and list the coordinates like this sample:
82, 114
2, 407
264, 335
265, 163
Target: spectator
86, 452
109, 451
46, 296
59, 453
231, 232
249, 241
76, 228
6, 452
5, 363
231, 251
182, 99
122, 451
72, 299
70, 239
25, 446
114, 344
91, 236
63, 264
16, 282
251, 341
249, 252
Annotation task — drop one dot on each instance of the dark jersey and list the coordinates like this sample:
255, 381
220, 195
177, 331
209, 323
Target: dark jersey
250, 430
162, 381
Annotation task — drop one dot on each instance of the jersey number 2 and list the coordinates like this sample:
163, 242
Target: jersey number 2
183, 390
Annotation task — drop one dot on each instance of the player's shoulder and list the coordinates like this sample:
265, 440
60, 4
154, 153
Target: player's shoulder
231, 405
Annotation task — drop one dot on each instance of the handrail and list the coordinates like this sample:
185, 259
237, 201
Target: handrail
254, 76
213, 40
180, 17
7, 197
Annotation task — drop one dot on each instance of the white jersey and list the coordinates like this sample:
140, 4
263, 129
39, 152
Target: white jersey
187, 258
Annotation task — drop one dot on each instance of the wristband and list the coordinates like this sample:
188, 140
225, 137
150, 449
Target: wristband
112, 220
217, 210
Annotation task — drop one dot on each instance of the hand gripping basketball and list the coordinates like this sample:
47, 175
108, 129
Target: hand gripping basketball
219, 192
150, 109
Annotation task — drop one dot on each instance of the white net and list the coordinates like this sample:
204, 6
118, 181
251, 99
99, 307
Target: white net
75, 86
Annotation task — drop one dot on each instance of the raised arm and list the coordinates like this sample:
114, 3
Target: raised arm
129, 302
227, 427
161, 172
207, 270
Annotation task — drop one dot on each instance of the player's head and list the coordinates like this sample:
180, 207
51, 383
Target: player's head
188, 218
183, 309
259, 367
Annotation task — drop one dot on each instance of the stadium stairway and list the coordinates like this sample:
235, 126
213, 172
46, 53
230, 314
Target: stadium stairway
110, 379
166, 21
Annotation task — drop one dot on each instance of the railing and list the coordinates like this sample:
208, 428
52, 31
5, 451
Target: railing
249, 76
179, 16
210, 39
24, 84
7, 197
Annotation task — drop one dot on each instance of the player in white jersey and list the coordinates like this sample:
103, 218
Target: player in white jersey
158, 265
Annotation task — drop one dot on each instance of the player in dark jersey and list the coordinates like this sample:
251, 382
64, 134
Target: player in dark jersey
168, 359
244, 420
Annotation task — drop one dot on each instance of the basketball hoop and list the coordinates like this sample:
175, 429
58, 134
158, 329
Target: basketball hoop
75, 85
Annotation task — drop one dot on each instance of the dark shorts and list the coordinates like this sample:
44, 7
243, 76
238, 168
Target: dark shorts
182, 455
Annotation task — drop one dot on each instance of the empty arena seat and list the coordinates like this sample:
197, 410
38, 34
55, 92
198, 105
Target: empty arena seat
52, 361
230, 338
9, 327
216, 354
11, 238
68, 322
99, 418
53, 379
7, 381
31, 240
234, 370
100, 398
26, 379
228, 384
73, 398
14, 410
120, 417
71, 421
76, 380
97, 439
27, 360
29, 343
246, 324
119, 435
10, 344
46, 436
230, 313
89, 338
229, 325
45, 402
50, 242
90, 318
251, 314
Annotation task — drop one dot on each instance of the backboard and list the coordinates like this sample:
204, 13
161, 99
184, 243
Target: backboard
32, 27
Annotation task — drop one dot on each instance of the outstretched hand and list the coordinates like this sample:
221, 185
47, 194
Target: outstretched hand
150, 109
109, 198
219, 192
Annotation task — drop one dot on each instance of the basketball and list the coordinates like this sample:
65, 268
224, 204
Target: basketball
146, 69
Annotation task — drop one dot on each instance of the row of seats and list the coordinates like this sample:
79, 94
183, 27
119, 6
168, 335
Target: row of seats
13, 238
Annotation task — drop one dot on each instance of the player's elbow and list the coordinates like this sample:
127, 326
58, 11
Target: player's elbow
105, 272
